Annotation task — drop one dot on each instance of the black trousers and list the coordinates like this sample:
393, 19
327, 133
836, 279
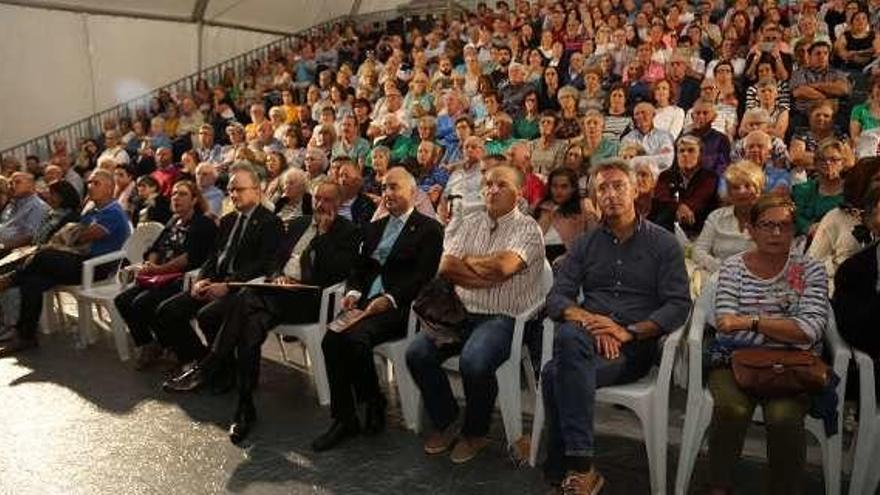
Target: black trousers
173, 327
348, 357
253, 312
42, 271
137, 306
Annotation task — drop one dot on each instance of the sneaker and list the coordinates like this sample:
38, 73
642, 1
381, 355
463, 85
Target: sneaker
578, 483
439, 442
467, 448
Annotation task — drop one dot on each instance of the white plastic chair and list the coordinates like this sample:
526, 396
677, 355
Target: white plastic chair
394, 354
311, 335
698, 415
865, 476
507, 375
102, 292
648, 398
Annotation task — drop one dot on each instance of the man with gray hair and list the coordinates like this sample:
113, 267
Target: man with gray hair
757, 119
635, 289
101, 230
398, 256
495, 260
114, 148
316, 165
22, 216
658, 144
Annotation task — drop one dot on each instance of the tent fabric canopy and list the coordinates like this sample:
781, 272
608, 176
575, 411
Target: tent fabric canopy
276, 16
101, 53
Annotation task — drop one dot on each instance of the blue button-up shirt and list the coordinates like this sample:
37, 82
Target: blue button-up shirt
641, 278
21, 217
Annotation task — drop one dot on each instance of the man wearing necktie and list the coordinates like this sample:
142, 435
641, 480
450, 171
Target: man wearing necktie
399, 255
317, 250
245, 250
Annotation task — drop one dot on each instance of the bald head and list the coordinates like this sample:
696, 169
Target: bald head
398, 191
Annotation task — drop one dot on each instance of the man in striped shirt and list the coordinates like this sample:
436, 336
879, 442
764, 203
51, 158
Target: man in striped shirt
495, 259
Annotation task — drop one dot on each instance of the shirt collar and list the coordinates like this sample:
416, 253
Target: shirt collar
403, 217
640, 225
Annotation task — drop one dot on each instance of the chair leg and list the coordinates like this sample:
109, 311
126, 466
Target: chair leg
831, 466
537, 427
874, 477
120, 334
49, 316
655, 428
694, 429
510, 399
84, 322
410, 397
864, 444
282, 348
319, 371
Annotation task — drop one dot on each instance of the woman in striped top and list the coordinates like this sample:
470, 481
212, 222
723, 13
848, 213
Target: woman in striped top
766, 297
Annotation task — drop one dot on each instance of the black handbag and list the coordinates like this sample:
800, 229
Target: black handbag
440, 311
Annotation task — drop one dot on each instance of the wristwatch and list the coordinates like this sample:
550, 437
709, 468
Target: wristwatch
633, 329
754, 326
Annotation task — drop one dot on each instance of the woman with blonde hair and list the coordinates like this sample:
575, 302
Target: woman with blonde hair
724, 233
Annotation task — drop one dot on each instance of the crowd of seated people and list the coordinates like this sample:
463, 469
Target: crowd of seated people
473, 148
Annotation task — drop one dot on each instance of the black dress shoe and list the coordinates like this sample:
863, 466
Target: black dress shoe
374, 421
17, 345
339, 432
187, 381
242, 424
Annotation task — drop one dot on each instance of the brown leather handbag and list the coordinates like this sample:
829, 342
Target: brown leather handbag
771, 373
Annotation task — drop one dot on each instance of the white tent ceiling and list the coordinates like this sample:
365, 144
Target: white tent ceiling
74, 58
276, 16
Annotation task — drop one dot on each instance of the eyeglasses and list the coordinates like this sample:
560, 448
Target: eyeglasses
774, 227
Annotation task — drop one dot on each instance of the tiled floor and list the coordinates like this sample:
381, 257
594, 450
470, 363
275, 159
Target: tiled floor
80, 422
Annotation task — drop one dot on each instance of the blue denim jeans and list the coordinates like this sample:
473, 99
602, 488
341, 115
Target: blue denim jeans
569, 382
486, 345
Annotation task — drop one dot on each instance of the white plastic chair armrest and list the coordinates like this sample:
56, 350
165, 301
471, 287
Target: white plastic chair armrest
547, 334
89, 265
190, 277
519, 327
333, 290
695, 351
667, 359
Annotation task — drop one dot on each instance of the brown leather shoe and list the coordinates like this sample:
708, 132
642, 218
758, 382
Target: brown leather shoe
467, 448
438, 442
578, 483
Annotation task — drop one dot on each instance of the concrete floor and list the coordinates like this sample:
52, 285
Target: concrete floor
80, 422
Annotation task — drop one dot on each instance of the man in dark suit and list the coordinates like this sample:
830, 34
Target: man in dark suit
317, 250
246, 246
399, 255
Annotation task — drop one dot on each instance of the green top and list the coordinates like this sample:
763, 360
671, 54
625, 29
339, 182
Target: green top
607, 149
811, 206
862, 115
496, 147
526, 129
